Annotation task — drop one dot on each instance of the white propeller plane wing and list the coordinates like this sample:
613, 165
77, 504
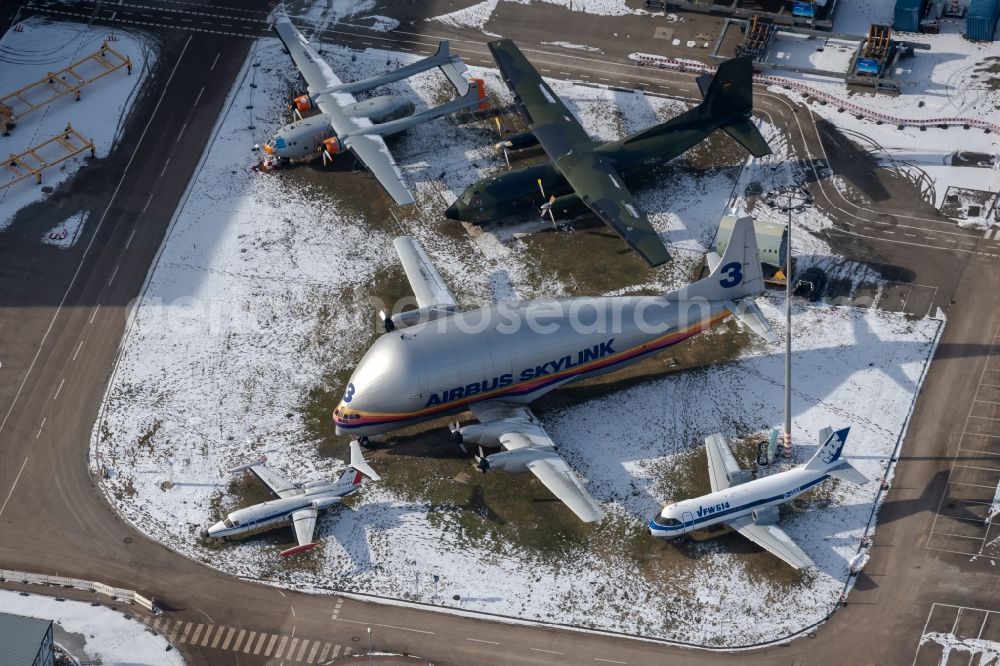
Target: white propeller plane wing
278, 485
519, 430
357, 132
722, 466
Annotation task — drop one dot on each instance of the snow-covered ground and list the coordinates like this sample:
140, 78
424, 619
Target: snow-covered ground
478, 14
260, 295
65, 233
106, 636
43, 47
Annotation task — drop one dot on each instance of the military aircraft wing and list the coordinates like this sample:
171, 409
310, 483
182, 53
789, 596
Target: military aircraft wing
550, 121
601, 189
374, 154
773, 539
721, 462
521, 431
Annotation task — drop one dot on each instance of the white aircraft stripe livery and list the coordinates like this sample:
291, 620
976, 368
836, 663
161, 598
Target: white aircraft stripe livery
751, 507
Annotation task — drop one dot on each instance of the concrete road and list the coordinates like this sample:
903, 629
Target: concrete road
63, 315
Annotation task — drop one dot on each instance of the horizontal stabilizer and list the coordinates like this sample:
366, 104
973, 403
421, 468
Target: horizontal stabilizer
848, 472
748, 136
748, 312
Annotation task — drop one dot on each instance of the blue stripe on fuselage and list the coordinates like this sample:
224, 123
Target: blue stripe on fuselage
742, 507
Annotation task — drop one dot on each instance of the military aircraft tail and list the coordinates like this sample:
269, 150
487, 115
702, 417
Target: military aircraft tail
730, 93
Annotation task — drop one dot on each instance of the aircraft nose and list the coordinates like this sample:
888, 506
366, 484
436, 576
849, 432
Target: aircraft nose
214, 530
452, 212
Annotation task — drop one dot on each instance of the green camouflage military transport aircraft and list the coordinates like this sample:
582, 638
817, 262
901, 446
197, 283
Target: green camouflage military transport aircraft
583, 174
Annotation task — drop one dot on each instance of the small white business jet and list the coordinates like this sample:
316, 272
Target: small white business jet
298, 504
751, 506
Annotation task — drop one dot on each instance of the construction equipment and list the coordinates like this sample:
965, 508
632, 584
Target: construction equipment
66, 81
758, 36
47, 154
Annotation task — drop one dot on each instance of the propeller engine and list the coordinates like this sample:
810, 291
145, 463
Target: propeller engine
516, 142
331, 147
302, 104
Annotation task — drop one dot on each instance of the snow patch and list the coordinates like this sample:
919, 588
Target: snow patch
65, 235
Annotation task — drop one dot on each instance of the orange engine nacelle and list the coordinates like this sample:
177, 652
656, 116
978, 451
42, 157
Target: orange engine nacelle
481, 89
333, 145
303, 103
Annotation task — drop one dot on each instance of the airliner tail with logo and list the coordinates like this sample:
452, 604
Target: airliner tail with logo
751, 506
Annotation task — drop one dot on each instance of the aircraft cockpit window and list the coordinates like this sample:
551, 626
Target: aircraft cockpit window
227, 523
666, 522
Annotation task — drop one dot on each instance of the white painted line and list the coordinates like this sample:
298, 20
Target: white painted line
609, 661
39, 433
90, 243
215, 61
94, 314
143, 210
548, 651
61, 382
387, 626
479, 640
181, 133
12, 486
198, 98
164, 169
77, 350
113, 274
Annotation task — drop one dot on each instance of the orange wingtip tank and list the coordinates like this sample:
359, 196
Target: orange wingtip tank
298, 549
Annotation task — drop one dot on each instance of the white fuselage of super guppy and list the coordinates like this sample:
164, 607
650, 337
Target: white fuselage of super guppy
749, 498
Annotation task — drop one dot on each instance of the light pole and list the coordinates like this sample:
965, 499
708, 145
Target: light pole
369, 646
788, 331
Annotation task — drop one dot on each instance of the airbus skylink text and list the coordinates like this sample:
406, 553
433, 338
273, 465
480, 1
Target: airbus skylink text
588, 316
551, 367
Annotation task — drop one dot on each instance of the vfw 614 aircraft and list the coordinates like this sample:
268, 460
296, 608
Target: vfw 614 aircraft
583, 174
298, 504
751, 506
345, 124
495, 360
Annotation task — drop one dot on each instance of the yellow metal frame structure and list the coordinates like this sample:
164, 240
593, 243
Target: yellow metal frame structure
66, 81
31, 162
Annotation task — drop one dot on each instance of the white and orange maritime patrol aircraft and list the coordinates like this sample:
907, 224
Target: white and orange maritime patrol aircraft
344, 124
298, 504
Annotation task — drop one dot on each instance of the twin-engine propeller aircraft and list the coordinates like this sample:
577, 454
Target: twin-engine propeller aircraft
751, 506
298, 504
345, 124
584, 175
494, 360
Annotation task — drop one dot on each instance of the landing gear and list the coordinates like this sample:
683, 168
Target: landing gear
365, 442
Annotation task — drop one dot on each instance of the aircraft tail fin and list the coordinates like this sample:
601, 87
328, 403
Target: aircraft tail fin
359, 465
828, 454
730, 93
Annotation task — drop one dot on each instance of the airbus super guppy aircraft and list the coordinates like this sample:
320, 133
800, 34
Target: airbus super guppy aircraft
298, 504
494, 360
751, 506
345, 124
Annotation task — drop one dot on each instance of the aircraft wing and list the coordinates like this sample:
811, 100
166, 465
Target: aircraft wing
572, 151
601, 188
523, 431
774, 540
274, 481
304, 522
721, 462
323, 85
427, 284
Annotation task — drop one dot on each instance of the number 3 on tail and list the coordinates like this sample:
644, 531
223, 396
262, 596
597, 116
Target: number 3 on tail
734, 274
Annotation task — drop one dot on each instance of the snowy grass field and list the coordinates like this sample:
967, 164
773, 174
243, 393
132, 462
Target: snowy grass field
259, 305
43, 47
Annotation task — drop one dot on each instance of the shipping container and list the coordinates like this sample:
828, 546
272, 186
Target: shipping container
907, 15
981, 20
